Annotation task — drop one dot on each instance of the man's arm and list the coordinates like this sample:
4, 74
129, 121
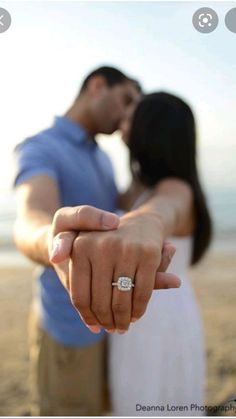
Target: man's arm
37, 202
39, 219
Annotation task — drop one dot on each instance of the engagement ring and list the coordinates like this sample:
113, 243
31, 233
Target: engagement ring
124, 283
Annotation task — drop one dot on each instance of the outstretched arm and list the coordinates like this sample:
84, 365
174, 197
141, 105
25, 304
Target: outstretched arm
37, 201
133, 250
38, 218
172, 204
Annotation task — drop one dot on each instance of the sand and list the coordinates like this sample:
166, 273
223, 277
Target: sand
214, 282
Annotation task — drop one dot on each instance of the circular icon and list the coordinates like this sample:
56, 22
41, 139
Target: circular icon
230, 20
5, 20
205, 20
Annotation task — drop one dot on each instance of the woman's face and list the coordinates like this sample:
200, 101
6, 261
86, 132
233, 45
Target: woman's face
126, 122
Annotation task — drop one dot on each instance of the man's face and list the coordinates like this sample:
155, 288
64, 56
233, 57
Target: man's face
111, 105
126, 122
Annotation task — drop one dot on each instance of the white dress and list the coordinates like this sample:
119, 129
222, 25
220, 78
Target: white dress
159, 363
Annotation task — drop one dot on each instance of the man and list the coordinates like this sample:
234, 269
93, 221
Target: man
64, 167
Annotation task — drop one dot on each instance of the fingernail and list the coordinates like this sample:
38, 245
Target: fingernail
121, 332
172, 252
178, 285
180, 282
133, 319
94, 329
55, 250
110, 330
109, 220
169, 253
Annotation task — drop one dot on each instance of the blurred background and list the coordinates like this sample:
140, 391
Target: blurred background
45, 54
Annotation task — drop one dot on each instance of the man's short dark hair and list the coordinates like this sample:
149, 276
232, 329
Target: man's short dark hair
137, 86
110, 74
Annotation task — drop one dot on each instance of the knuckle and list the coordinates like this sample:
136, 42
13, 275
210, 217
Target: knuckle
112, 244
61, 236
131, 249
77, 244
57, 214
57, 218
141, 299
81, 211
150, 251
80, 244
119, 308
99, 309
103, 245
79, 303
108, 245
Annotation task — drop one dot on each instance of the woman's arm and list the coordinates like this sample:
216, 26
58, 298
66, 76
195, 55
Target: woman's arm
133, 250
172, 203
127, 199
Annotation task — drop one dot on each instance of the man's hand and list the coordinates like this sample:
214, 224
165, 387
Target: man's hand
134, 249
62, 234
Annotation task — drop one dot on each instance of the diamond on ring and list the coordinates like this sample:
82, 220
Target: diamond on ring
124, 283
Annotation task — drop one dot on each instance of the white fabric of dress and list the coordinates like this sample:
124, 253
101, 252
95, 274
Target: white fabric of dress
159, 363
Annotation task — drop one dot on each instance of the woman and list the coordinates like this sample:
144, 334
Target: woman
157, 367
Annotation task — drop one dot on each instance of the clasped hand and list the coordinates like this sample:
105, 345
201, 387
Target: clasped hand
91, 248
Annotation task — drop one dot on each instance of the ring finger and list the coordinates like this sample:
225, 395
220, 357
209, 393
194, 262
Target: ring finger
122, 300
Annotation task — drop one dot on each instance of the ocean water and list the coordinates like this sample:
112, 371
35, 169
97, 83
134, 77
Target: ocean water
222, 203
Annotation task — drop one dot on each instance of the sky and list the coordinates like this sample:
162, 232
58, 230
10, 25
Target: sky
52, 45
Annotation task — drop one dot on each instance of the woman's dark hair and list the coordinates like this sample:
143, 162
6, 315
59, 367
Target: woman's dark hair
162, 144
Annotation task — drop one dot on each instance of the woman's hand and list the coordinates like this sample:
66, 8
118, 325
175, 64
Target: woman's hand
135, 250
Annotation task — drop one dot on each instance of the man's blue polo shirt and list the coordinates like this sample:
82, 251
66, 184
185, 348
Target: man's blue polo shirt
84, 175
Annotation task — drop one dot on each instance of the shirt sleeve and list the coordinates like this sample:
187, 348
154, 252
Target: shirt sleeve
32, 159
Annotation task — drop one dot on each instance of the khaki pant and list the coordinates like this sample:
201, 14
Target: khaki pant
66, 381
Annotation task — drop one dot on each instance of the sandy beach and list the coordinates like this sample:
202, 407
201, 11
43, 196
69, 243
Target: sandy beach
214, 283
